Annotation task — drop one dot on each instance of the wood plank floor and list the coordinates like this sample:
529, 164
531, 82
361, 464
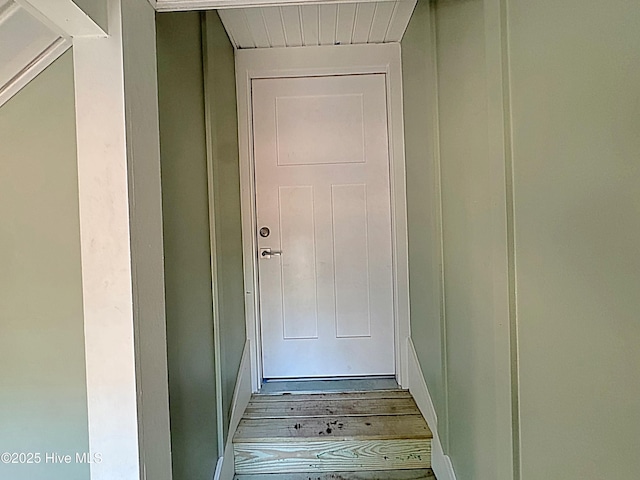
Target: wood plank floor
328, 407
423, 474
378, 434
305, 397
329, 385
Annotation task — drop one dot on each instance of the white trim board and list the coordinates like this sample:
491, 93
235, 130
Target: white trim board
65, 20
318, 61
218, 471
35, 43
33, 69
67, 16
186, 5
225, 469
105, 253
121, 249
440, 463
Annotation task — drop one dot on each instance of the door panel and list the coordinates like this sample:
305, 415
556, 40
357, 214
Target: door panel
309, 126
322, 190
351, 260
298, 266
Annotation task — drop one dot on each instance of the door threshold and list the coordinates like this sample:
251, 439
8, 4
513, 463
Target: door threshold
325, 385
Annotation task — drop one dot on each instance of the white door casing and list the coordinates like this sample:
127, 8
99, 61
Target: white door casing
322, 192
313, 62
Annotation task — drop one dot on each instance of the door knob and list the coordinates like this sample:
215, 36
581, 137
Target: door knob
268, 253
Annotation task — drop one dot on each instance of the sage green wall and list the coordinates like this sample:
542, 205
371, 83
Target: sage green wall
43, 405
423, 206
189, 303
184, 66
146, 236
469, 216
539, 173
453, 222
96, 10
221, 108
575, 80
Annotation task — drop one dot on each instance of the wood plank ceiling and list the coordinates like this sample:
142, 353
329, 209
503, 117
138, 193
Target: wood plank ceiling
325, 24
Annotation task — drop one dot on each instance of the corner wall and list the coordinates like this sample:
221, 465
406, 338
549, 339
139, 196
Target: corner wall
189, 301
199, 152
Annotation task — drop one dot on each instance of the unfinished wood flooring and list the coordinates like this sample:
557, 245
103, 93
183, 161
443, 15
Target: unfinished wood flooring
370, 435
424, 474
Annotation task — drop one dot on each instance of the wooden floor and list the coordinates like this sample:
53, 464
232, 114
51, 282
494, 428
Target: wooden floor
371, 435
423, 474
366, 384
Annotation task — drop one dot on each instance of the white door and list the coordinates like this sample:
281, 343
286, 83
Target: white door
324, 212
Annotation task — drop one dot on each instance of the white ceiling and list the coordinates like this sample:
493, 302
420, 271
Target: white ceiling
326, 24
29, 42
27, 46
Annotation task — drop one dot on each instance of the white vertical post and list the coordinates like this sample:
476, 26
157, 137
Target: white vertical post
121, 244
106, 255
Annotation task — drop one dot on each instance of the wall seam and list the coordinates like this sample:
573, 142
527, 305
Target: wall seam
444, 435
210, 140
511, 243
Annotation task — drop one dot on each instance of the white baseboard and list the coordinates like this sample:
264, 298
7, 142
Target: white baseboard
225, 469
218, 472
440, 463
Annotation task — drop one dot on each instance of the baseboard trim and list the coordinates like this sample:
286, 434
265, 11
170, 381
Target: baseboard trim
440, 463
225, 469
218, 472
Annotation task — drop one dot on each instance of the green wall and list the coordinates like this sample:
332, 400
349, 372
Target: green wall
221, 108
423, 206
189, 303
536, 140
43, 405
452, 228
196, 79
469, 216
146, 236
96, 10
575, 79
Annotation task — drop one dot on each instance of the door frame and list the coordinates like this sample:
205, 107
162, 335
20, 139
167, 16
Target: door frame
310, 62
